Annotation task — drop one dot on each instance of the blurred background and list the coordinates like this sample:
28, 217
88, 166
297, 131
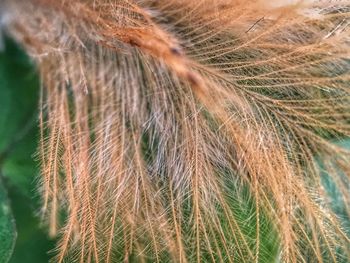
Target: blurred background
19, 94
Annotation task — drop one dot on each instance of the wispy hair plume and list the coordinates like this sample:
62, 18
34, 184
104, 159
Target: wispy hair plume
165, 122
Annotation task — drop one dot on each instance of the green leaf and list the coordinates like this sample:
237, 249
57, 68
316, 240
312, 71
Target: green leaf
19, 92
7, 227
32, 245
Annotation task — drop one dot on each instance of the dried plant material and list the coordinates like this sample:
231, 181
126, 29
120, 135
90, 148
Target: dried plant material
162, 120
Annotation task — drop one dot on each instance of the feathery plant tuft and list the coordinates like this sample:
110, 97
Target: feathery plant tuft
191, 130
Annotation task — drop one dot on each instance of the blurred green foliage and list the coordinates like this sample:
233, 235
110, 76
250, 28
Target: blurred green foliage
19, 93
7, 226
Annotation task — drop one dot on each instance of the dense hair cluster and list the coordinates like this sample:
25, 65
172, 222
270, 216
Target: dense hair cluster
191, 130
